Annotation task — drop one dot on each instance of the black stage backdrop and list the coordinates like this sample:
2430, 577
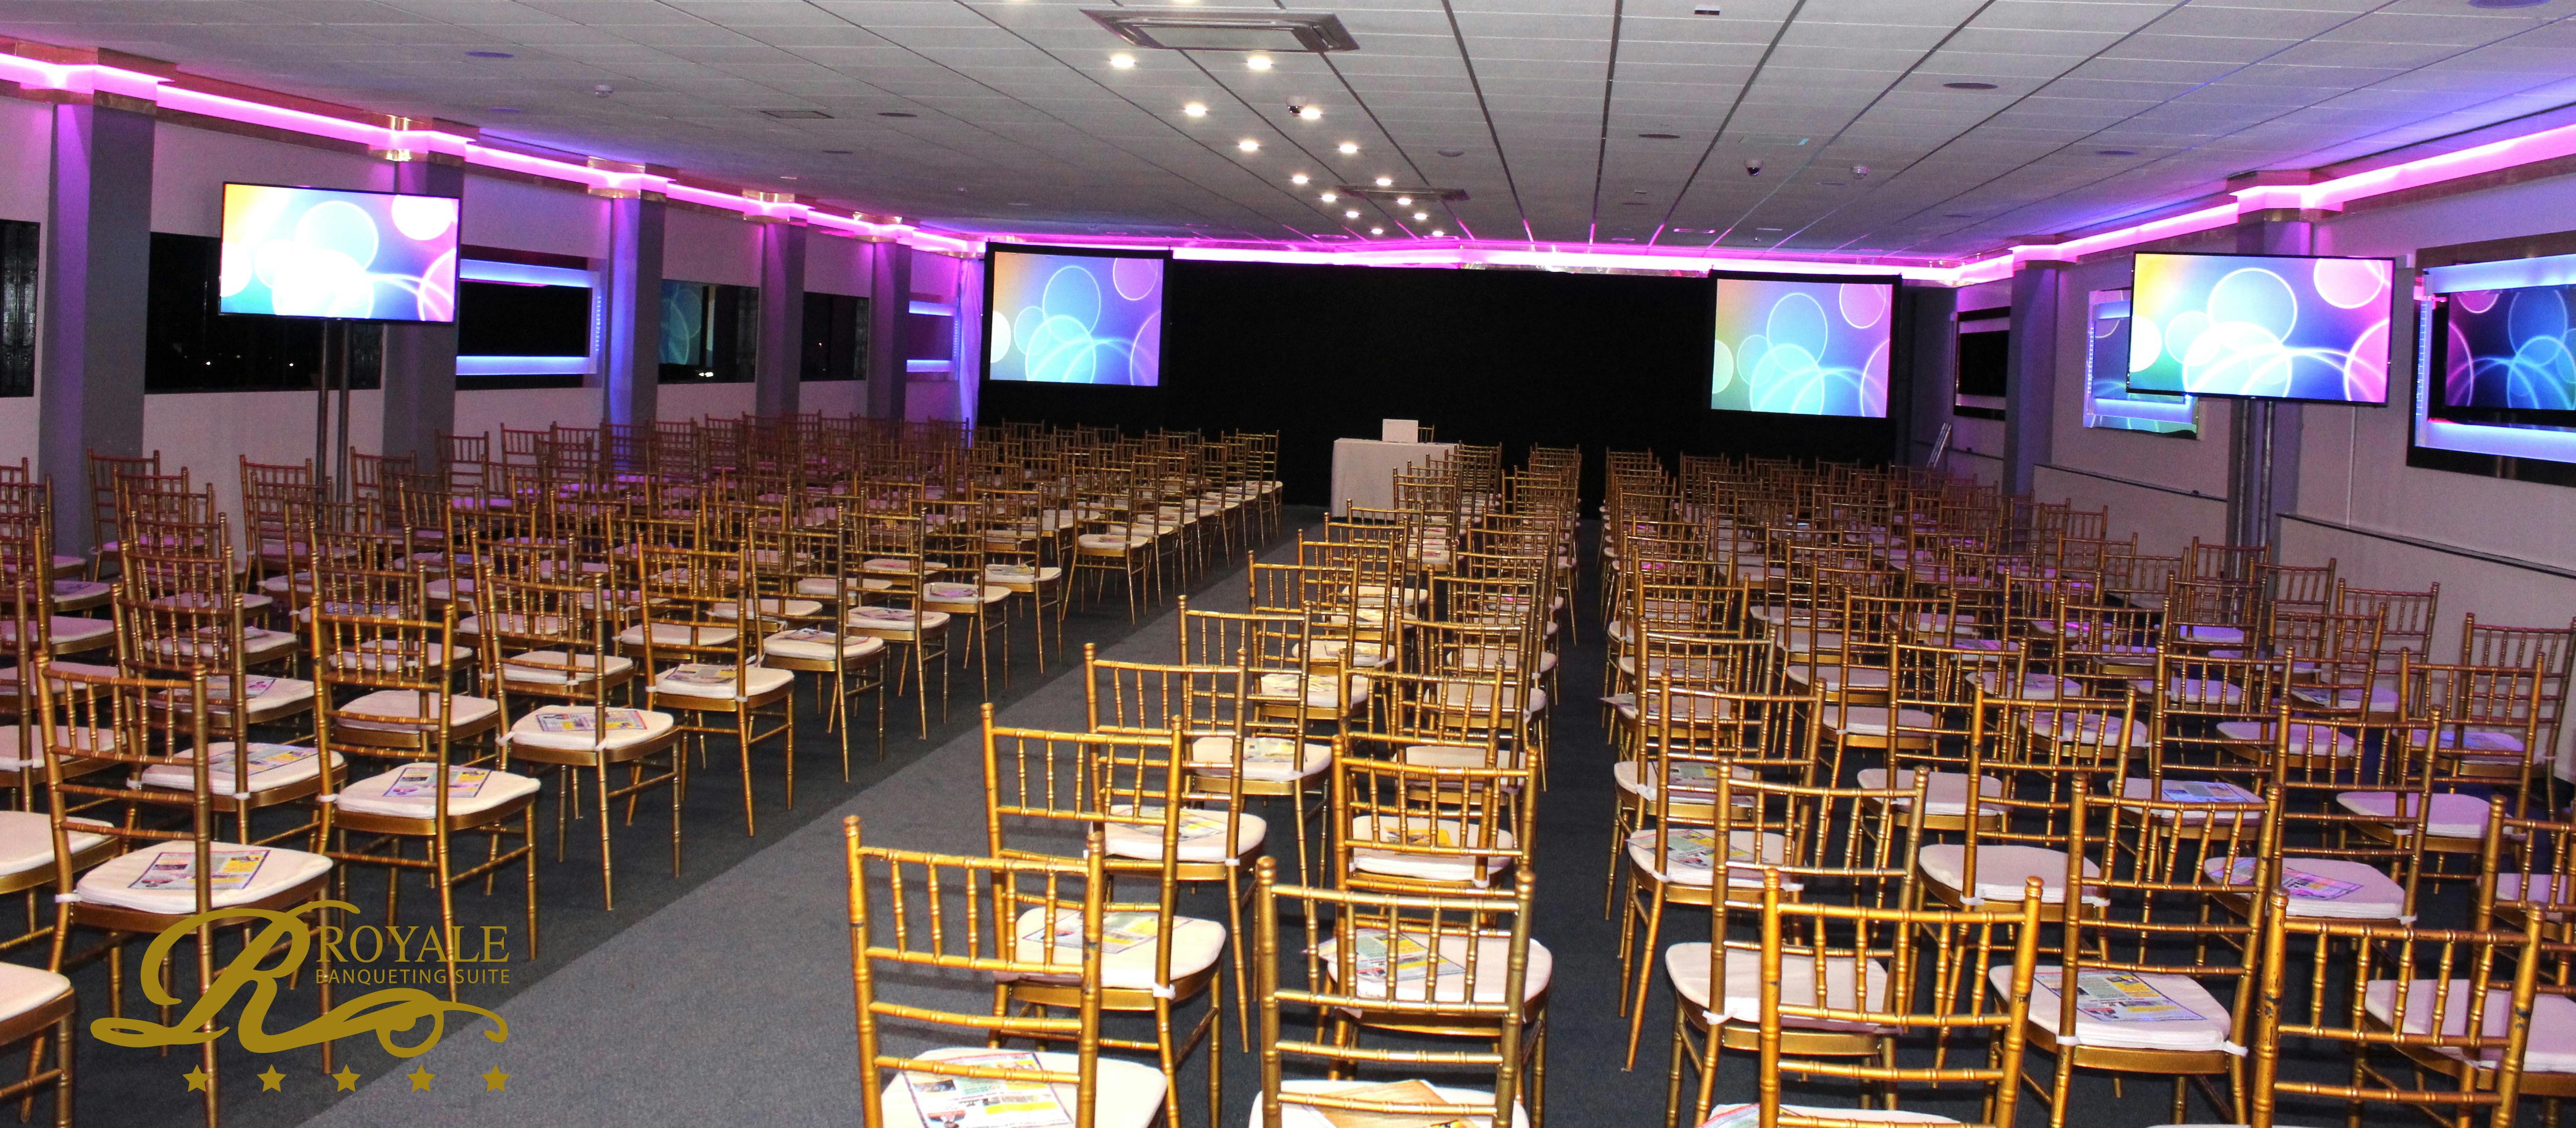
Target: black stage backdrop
1519, 357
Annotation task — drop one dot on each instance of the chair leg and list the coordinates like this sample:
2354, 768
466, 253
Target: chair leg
607, 869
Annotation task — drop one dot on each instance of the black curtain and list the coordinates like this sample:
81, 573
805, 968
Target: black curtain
1519, 357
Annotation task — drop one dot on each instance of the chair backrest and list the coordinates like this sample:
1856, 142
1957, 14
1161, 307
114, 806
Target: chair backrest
915, 914
1403, 826
110, 719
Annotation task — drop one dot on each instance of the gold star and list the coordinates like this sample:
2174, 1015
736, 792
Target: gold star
348, 1079
272, 1081
420, 1078
197, 1079
496, 1080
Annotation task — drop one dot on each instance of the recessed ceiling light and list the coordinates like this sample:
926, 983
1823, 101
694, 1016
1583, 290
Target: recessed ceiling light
1311, 113
2116, 152
1451, 152
1350, 147
1019, 203
896, 114
489, 55
787, 178
1967, 86
1404, 201
1419, 217
1329, 197
1256, 62
1437, 233
1122, 61
1299, 178
796, 115
1353, 213
1248, 145
1661, 136
1385, 181
1377, 231
1194, 109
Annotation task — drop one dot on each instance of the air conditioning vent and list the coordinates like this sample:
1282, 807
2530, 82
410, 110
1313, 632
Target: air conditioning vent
1202, 29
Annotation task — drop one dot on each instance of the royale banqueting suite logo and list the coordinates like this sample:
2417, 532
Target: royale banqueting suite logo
407, 1021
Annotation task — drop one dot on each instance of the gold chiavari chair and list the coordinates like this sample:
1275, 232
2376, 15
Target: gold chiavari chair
1349, 980
1938, 964
1271, 749
2490, 719
2334, 862
106, 531
892, 605
1045, 793
854, 663
552, 644
1121, 529
1846, 846
705, 668
2131, 992
1406, 827
26, 554
170, 870
953, 534
2402, 1005
387, 694
912, 913
1938, 686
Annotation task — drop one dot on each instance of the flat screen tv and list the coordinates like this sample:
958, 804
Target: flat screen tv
1800, 345
2504, 356
328, 252
1074, 317
2290, 327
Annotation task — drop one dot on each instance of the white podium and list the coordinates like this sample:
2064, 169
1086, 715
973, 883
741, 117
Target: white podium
1364, 470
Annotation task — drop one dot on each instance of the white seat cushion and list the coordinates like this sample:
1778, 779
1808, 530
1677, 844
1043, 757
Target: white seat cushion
2188, 791
1303, 1116
894, 620
1112, 542
1689, 967
2135, 1011
2306, 739
787, 608
816, 645
1426, 867
1202, 834
1684, 709
462, 711
1458, 756
27, 842
686, 681
1017, 574
2000, 870
1126, 1094
1273, 758
964, 595
569, 728
513, 622
1870, 720
2326, 887
21, 744
256, 644
172, 890
1628, 774
272, 766
393, 656
1944, 793
678, 634
1479, 697
2552, 1046
2454, 815
1126, 945
1364, 655
405, 791
1690, 856
820, 587
1421, 970
2195, 691
68, 631
1321, 693
9, 677
561, 667
2082, 728
2382, 699
23, 988
2498, 745
2034, 686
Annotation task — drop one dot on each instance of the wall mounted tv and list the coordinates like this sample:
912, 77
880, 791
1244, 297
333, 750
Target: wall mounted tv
2290, 327
1074, 317
328, 252
1802, 345
2504, 356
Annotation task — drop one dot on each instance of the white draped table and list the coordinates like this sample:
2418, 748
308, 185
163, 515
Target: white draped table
1364, 470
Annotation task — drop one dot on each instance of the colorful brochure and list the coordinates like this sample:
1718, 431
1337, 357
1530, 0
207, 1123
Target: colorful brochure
583, 720
1400, 1092
264, 758
2206, 791
417, 781
700, 673
177, 869
1374, 954
2296, 882
2119, 996
987, 1102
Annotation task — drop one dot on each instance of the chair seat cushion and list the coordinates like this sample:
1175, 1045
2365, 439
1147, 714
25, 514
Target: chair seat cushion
1018, 574
1445, 833
1944, 793
2187, 791
1271, 758
27, 842
463, 711
1684, 708
816, 645
24, 989
161, 879
1126, 1094
1479, 697
1202, 834
2195, 691
2552, 1046
788, 608
1112, 542
1321, 693
1690, 857
2082, 728
70, 631
2325, 887
2127, 1010
1469, 1100
2034, 686
964, 595
894, 621
2453, 816
562, 667
2000, 870
21, 748
679, 634
2498, 745
2306, 739
823, 587
1689, 966
405, 791
1358, 655
700, 679
571, 728
272, 766
393, 656
1870, 720
1420, 970
1127, 943
2381, 699
1630, 776
518, 623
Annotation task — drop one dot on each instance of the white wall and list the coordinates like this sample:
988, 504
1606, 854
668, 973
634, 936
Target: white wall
209, 434
25, 179
191, 166
526, 217
701, 401
525, 409
834, 265
697, 247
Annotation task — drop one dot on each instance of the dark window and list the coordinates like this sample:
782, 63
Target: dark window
188, 347
710, 332
1984, 362
506, 319
18, 250
836, 337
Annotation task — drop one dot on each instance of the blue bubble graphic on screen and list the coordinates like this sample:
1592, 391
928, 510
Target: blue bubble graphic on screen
1075, 319
2511, 349
1800, 348
2251, 325
312, 252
